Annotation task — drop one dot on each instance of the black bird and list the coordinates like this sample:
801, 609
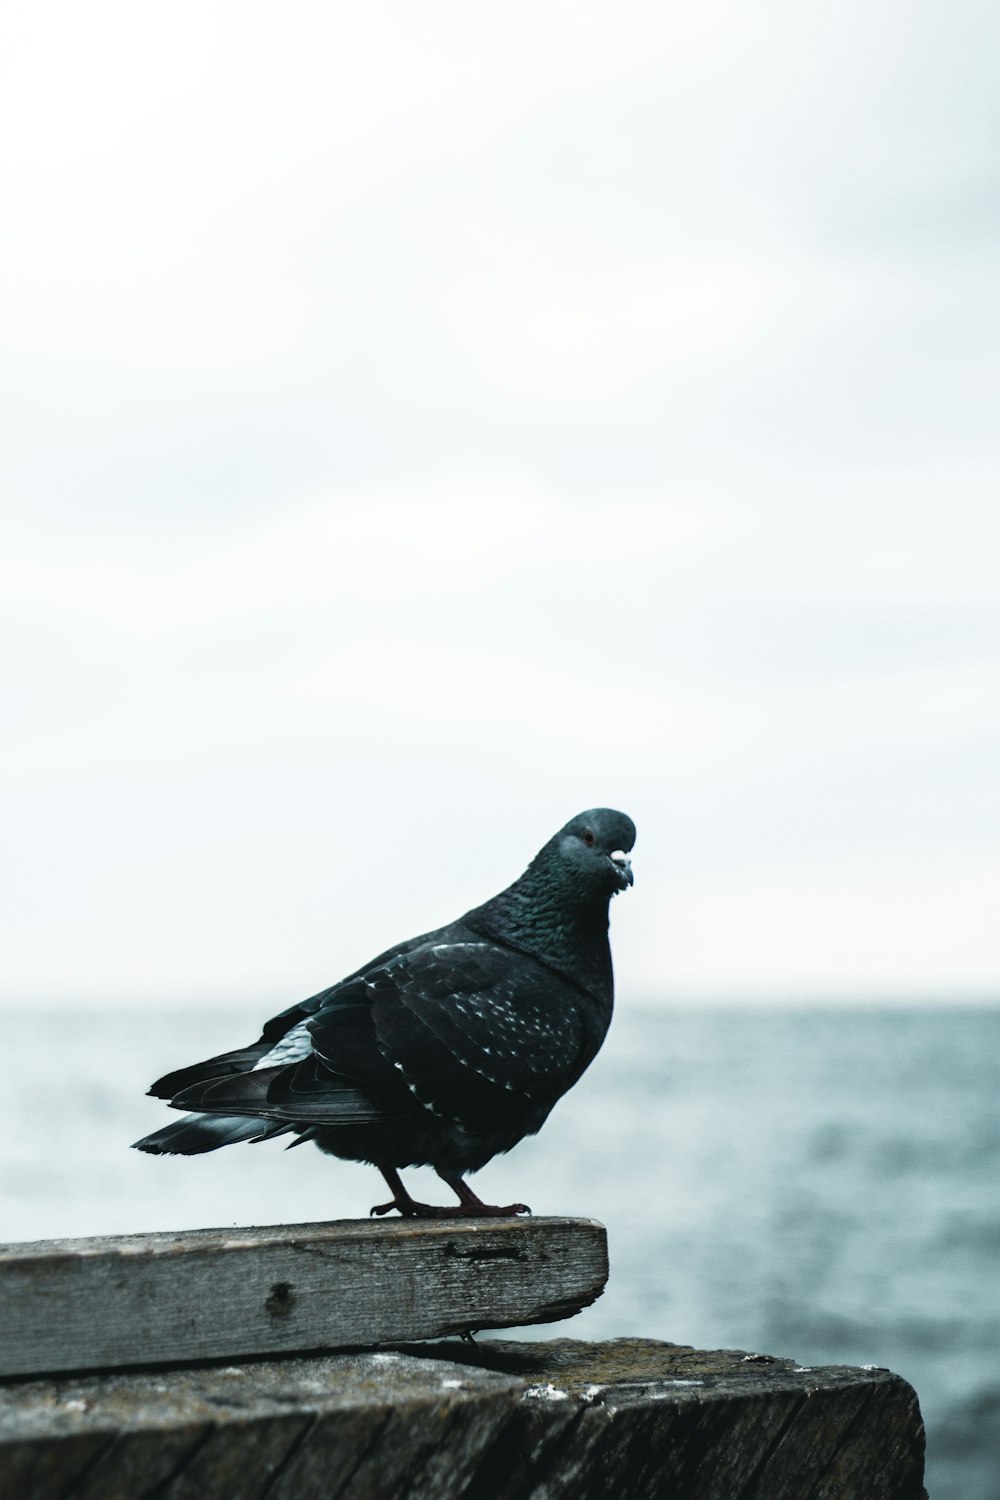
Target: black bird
443, 1051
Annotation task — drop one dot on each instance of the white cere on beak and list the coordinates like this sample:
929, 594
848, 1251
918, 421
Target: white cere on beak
619, 857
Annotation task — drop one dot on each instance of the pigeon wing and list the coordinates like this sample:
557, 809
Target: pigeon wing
285, 1080
478, 1032
241, 1060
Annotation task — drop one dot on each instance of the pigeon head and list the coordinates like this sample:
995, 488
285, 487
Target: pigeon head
594, 848
558, 909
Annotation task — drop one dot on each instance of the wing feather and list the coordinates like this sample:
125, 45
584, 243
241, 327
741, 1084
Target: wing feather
479, 1032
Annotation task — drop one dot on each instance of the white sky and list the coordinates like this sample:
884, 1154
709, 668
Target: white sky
424, 422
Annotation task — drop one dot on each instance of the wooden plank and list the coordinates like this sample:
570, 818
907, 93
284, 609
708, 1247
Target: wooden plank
494, 1421
219, 1293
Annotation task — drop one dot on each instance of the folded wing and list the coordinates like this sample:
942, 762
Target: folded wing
468, 1030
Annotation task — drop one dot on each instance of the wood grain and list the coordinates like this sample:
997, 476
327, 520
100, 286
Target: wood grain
495, 1421
221, 1293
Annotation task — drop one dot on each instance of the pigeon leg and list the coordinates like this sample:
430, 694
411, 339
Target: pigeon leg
469, 1205
474, 1207
408, 1207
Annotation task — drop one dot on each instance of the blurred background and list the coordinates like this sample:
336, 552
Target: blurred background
423, 423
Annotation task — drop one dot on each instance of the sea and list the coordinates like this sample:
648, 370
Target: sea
820, 1183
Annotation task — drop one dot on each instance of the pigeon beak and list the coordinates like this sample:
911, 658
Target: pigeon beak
623, 866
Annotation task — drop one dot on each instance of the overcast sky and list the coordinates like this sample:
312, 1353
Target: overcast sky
422, 422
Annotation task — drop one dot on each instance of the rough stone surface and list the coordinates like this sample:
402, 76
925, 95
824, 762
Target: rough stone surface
498, 1420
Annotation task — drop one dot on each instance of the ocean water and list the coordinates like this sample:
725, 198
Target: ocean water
814, 1183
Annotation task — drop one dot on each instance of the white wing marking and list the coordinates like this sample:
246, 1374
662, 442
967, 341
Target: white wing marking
293, 1047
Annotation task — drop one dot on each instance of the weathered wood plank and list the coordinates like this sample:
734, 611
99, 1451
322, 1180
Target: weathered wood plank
222, 1293
497, 1421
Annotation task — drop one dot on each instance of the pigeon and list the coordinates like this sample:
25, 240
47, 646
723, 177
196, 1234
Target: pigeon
443, 1051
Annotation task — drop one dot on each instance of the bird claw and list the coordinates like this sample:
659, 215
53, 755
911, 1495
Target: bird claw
414, 1210
411, 1209
478, 1210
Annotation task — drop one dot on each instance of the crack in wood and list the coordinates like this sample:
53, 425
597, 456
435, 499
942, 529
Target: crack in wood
294, 1449
365, 1454
497, 1464
903, 1453
488, 1252
841, 1443
81, 1478
186, 1459
747, 1489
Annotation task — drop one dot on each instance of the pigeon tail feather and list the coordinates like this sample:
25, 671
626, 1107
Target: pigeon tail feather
195, 1134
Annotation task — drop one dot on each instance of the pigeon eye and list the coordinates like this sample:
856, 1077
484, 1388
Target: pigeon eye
589, 839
